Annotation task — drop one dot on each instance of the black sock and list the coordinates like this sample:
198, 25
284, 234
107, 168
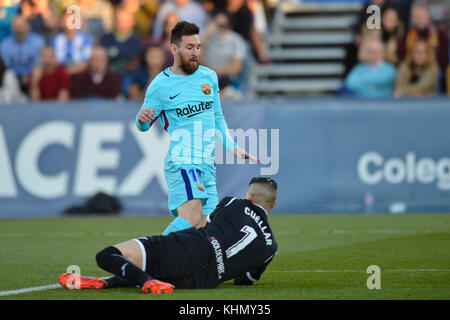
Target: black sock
110, 259
116, 282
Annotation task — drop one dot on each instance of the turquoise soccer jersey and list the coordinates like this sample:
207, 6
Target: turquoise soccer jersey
190, 111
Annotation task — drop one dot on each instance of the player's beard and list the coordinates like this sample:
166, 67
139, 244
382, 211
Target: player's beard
189, 66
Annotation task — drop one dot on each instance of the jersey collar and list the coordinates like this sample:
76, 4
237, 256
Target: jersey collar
261, 208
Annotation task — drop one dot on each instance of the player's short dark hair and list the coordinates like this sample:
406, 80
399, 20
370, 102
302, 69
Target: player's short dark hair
264, 180
183, 28
264, 190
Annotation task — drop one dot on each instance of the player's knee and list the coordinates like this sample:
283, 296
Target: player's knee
203, 221
195, 218
196, 221
103, 256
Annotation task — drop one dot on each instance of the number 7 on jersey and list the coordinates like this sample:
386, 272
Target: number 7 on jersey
250, 235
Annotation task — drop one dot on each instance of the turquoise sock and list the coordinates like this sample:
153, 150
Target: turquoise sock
177, 224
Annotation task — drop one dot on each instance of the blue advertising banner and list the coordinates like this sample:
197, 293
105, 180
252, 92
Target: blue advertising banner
327, 155
53, 156
364, 156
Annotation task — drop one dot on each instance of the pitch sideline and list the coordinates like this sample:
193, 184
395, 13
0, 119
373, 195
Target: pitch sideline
26, 290
56, 285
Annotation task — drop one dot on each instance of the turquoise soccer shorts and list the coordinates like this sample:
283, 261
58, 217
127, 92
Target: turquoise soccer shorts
191, 182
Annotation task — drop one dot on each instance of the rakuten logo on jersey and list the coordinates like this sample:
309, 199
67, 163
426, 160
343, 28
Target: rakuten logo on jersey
373, 168
194, 110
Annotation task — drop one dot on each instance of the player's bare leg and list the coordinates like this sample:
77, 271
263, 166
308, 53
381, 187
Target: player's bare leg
124, 260
192, 211
189, 214
130, 249
203, 221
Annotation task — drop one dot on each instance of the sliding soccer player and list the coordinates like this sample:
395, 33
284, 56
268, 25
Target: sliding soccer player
185, 97
237, 243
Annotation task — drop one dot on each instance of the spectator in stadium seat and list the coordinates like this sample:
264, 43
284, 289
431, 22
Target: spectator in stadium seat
98, 81
404, 7
7, 14
363, 16
212, 6
353, 49
72, 46
97, 17
49, 81
20, 51
187, 10
170, 22
223, 50
423, 28
418, 75
373, 78
144, 12
123, 47
391, 34
242, 22
155, 58
40, 17
9, 86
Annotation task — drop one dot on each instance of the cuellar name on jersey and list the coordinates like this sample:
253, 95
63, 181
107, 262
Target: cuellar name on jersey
259, 222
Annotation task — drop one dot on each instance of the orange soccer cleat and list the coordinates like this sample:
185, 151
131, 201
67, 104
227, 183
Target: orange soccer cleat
85, 282
156, 286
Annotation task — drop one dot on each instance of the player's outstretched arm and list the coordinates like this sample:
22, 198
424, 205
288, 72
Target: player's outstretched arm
242, 154
222, 129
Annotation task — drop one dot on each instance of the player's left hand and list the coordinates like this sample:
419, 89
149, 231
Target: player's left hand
242, 154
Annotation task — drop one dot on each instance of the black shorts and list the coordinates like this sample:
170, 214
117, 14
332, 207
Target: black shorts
166, 258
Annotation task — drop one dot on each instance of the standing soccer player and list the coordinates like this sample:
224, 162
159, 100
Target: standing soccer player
185, 97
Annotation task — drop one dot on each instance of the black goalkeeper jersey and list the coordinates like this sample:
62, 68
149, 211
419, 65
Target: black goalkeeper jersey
242, 241
236, 243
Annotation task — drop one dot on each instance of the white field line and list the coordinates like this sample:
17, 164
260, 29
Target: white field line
26, 290
54, 286
361, 271
380, 231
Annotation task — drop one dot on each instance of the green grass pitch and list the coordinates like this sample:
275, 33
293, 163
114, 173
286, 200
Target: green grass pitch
319, 257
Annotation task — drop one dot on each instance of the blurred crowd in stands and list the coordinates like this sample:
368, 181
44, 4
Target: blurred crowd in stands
408, 56
78, 49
